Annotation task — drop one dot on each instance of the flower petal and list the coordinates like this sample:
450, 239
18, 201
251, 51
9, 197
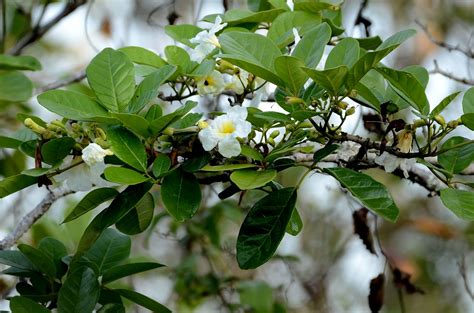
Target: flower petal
208, 139
229, 147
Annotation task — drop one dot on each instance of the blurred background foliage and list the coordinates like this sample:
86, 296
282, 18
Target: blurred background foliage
326, 268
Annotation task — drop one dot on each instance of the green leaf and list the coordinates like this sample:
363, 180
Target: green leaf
149, 88
273, 117
188, 120
250, 179
461, 202
241, 16
109, 250
468, 101
313, 6
251, 153
112, 77
181, 194
311, 47
72, 105
295, 225
39, 259
125, 270
455, 160
79, 292
22, 62
258, 295
289, 69
143, 56
161, 165
264, 228
153, 113
203, 69
124, 176
324, 152
346, 52
139, 218
369, 43
408, 87
197, 162
161, 123
367, 190
468, 120
143, 301
397, 39
7, 142
252, 52
420, 73
15, 86
127, 147
57, 149
16, 259
138, 124
91, 201
55, 250
281, 30
40, 171
226, 167
183, 33
330, 79
444, 103
179, 57
15, 183
21, 304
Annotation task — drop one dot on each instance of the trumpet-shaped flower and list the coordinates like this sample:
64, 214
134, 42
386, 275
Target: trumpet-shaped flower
224, 130
83, 177
206, 41
94, 153
211, 84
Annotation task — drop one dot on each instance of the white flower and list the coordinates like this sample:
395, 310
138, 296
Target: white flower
83, 177
297, 36
207, 41
405, 139
347, 150
224, 130
391, 162
94, 153
290, 4
237, 82
211, 84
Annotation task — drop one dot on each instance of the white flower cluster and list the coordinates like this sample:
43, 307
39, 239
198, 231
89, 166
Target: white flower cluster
391, 162
206, 41
224, 130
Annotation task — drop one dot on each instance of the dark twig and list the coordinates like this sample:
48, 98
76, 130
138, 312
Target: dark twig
360, 19
438, 70
4, 25
55, 85
466, 51
38, 32
463, 272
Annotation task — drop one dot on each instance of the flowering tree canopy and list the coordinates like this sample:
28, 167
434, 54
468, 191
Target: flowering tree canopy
139, 138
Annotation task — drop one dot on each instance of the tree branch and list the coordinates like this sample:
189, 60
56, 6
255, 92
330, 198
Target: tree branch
438, 70
55, 85
38, 31
29, 219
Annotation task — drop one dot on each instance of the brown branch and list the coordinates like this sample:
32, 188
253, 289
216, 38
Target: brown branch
62, 83
466, 51
438, 70
38, 31
29, 219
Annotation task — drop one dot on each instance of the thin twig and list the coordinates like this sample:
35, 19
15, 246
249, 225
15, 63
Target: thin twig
38, 32
4, 25
29, 219
438, 70
55, 85
463, 272
466, 51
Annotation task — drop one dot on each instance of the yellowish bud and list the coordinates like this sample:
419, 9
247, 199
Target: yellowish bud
203, 124
343, 105
453, 124
438, 118
294, 100
419, 123
271, 141
350, 111
275, 133
168, 131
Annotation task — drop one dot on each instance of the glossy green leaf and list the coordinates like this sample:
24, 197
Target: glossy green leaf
15, 86
179, 57
143, 56
313, 6
367, 190
369, 43
346, 52
72, 105
110, 249
250, 179
181, 194
124, 176
112, 77
164, 121
188, 120
455, 160
91, 201
148, 89
281, 30
80, 291
468, 101
197, 162
444, 103
311, 46
136, 123
460, 202
324, 152
468, 120
252, 52
289, 69
16, 259
19, 304
183, 33
264, 228
127, 147
226, 167
139, 218
55, 251
161, 165
241, 16
330, 79
125, 270
21, 62
420, 73
153, 113
57, 149
143, 301
15, 183
39, 259
7, 142
295, 225
251, 153
396, 39
408, 87
40, 171
273, 117
203, 69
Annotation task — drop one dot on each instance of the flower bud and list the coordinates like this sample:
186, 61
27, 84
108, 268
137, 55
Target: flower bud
419, 123
40, 130
203, 124
438, 118
294, 100
168, 131
453, 124
275, 133
271, 141
343, 105
350, 111
353, 93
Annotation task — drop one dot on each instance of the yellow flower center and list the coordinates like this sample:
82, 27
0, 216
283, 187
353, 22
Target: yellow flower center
227, 127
